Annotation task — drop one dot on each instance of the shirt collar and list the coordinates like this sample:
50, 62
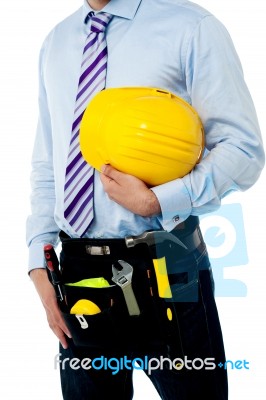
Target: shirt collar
120, 8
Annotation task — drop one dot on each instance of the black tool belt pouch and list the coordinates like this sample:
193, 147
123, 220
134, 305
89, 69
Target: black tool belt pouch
113, 326
157, 322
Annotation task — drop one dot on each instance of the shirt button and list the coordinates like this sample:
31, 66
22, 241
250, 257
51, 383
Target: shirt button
176, 218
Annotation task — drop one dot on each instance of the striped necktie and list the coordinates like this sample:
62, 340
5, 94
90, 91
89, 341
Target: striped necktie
78, 201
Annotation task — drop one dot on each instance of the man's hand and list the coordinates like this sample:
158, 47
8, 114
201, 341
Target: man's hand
48, 298
130, 192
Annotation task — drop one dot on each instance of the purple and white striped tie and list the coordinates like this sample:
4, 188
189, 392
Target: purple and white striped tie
78, 202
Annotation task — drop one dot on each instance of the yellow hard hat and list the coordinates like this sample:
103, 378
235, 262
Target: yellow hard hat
146, 132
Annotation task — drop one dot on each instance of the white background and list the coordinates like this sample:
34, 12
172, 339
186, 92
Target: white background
27, 345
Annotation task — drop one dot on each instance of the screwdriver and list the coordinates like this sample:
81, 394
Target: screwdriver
53, 272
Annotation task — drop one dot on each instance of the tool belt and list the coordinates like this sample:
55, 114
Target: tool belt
136, 308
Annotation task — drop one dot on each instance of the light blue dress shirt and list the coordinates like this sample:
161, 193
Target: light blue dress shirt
174, 45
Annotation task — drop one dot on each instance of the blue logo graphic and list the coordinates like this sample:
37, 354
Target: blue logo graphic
238, 364
224, 234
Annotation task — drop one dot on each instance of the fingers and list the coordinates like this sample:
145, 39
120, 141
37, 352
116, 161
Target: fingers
130, 192
107, 169
111, 180
49, 301
110, 174
106, 180
57, 324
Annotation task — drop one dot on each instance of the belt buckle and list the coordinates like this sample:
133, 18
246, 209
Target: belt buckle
98, 250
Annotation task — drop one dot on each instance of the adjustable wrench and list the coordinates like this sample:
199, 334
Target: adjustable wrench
123, 278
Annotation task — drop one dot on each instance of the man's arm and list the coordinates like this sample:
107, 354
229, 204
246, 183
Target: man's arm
41, 227
234, 157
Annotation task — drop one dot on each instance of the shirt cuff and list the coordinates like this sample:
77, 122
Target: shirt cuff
175, 203
36, 257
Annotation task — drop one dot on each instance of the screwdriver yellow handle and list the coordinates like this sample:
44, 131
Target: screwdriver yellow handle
163, 284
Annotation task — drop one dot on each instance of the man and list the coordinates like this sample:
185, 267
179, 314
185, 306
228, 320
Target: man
182, 48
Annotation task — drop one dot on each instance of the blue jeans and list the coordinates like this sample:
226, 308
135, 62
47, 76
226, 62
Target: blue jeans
196, 346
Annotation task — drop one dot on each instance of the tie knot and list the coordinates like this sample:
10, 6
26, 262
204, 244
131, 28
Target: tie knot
100, 21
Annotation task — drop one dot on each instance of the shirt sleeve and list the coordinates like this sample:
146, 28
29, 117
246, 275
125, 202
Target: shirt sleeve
41, 227
234, 155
